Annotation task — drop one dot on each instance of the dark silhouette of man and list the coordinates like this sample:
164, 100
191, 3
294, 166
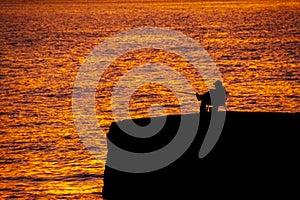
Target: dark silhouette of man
218, 95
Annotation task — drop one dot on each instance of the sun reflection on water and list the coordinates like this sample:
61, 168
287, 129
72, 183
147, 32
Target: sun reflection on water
255, 46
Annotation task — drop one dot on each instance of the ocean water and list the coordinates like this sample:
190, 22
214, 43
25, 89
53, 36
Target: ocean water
254, 45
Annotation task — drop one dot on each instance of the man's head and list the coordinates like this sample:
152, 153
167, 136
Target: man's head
218, 84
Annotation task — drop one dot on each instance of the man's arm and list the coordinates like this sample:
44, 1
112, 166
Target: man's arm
199, 97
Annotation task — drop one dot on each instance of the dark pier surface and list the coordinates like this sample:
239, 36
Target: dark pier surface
257, 154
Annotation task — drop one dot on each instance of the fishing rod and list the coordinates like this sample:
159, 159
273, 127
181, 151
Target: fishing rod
189, 93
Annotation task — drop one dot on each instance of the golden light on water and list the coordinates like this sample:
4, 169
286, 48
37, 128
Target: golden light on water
254, 45
141, 108
148, 95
